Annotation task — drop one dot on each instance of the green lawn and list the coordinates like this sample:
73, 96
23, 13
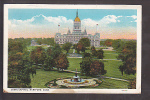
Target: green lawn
33, 47
112, 70
42, 77
74, 63
113, 84
110, 56
106, 51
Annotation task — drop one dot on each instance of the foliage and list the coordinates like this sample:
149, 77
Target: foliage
99, 54
102, 43
93, 50
66, 46
19, 67
49, 63
97, 68
86, 55
15, 46
85, 42
108, 42
132, 84
79, 47
48, 41
85, 66
56, 51
128, 56
74, 46
62, 62
38, 55
92, 67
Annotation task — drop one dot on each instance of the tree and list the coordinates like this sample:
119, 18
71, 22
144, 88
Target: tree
19, 70
62, 62
56, 51
93, 50
85, 42
108, 42
15, 46
91, 67
132, 84
85, 66
19, 65
86, 55
97, 68
128, 57
66, 46
49, 51
99, 54
49, 63
102, 43
38, 55
79, 47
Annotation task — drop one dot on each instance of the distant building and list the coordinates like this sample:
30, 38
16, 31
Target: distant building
76, 35
33, 43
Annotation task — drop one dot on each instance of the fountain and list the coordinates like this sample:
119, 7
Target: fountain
76, 77
73, 54
76, 81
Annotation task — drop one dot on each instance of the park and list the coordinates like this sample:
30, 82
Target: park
111, 66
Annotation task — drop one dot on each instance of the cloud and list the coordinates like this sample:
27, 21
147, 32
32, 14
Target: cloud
48, 25
133, 16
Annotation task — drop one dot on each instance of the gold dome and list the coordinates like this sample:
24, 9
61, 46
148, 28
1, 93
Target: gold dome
77, 19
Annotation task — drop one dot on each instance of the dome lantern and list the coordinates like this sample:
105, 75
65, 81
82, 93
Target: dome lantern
77, 19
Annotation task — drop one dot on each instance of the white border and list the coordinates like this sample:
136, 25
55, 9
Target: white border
61, 6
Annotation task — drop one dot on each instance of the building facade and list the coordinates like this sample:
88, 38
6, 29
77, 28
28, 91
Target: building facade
76, 35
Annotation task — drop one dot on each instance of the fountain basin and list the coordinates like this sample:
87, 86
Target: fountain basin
68, 83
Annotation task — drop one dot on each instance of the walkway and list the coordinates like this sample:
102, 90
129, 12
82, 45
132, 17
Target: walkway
103, 76
117, 79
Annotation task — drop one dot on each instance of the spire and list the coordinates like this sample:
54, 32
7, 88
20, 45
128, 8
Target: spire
77, 13
68, 31
85, 30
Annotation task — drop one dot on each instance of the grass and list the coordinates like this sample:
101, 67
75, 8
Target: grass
42, 77
112, 68
113, 84
110, 56
74, 63
33, 47
106, 51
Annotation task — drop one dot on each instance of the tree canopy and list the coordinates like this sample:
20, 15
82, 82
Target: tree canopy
85, 42
19, 66
66, 46
91, 67
62, 62
128, 57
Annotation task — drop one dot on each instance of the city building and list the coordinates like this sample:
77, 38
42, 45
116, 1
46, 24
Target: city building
77, 34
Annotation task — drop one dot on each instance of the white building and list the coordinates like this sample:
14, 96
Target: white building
76, 35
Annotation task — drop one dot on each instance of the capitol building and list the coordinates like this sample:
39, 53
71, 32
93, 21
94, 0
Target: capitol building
77, 34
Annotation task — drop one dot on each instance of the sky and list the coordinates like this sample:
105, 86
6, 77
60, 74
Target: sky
43, 23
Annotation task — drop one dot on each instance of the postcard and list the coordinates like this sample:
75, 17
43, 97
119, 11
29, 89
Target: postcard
57, 48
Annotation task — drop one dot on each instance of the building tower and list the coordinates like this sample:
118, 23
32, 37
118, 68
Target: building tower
77, 24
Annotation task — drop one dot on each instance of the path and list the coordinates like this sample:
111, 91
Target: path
112, 53
117, 79
109, 49
111, 59
103, 76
